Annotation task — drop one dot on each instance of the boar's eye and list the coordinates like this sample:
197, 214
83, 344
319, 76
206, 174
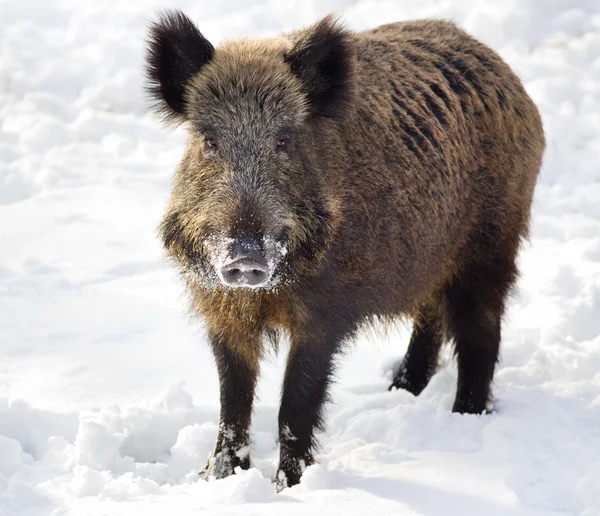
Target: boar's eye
210, 143
281, 143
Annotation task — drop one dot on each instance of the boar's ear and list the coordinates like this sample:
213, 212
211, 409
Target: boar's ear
324, 60
176, 52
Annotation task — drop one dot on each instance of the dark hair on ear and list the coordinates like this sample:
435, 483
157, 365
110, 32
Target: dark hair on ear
176, 51
324, 60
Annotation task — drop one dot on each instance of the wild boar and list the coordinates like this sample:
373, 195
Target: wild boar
332, 179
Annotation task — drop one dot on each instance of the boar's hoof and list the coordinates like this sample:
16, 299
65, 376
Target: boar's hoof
409, 380
471, 405
289, 473
283, 479
222, 464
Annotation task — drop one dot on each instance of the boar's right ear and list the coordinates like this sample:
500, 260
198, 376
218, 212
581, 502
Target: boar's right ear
324, 60
176, 52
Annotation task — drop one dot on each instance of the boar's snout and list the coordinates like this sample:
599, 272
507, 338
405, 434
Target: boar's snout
246, 265
254, 262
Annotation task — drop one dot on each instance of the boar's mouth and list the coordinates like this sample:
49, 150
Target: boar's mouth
212, 258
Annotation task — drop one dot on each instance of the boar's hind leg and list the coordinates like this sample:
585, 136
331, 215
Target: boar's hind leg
237, 378
475, 308
307, 377
421, 359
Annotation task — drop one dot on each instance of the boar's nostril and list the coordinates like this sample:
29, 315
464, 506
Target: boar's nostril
232, 274
245, 272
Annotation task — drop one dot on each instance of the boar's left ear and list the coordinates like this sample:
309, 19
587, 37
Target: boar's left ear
324, 60
176, 52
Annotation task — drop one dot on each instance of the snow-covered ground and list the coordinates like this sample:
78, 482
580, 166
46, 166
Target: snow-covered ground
108, 393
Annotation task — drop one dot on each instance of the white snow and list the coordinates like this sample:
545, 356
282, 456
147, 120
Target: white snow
108, 392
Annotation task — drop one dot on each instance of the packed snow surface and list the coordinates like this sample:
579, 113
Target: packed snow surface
108, 392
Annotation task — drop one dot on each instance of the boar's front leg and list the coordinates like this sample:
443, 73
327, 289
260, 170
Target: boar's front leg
307, 377
237, 365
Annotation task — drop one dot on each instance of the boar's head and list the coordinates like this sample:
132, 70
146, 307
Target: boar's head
255, 199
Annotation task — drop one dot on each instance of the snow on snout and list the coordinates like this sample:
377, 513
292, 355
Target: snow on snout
219, 249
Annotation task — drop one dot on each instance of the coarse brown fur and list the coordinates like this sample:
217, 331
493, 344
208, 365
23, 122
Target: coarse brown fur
405, 190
